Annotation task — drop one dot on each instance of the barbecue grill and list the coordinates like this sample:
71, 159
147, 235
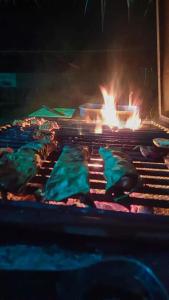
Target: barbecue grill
26, 218
154, 174
112, 248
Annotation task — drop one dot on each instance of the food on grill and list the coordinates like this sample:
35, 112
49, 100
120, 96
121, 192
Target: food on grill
163, 146
166, 160
151, 152
161, 143
69, 176
48, 126
17, 168
5, 150
119, 171
29, 122
46, 130
17, 122
42, 148
44, 125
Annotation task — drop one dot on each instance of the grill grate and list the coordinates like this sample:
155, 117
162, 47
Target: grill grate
155, 175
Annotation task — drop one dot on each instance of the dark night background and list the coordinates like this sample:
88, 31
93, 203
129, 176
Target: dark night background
60, 55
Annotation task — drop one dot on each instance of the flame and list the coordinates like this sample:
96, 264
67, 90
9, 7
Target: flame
98, 127
112, 117
97, 121
109, 112
134, 122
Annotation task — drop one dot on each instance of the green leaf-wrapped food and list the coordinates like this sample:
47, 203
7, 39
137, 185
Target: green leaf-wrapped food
69, 176
17, 168
119, 171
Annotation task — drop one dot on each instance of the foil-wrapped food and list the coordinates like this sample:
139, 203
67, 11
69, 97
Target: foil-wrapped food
43, 124
119, 172
163, 144
152, 152
46, 130
28, 122
166, 160
69, 176
18, 167
5, 150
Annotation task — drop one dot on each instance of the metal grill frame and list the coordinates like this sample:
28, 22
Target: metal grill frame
87, 221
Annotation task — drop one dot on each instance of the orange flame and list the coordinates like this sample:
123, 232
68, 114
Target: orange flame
98, 127
133, 122
112, 117
109, 112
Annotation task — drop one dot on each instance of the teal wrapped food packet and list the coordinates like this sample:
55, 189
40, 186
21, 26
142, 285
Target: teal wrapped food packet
17, 168
69, 176
113, 171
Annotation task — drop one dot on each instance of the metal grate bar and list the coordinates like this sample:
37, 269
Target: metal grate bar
154, 174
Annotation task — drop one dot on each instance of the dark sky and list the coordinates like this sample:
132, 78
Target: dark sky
55, 37
62, 27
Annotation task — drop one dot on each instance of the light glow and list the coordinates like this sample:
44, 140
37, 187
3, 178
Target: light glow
112, 117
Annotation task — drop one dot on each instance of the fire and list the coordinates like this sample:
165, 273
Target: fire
134, 122
109, 111
98, 127
114, 117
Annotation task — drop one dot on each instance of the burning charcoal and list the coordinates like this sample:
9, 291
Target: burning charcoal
119, 172
69, 176
46, 130
25, 122
17, 168
48, 126
17, 122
